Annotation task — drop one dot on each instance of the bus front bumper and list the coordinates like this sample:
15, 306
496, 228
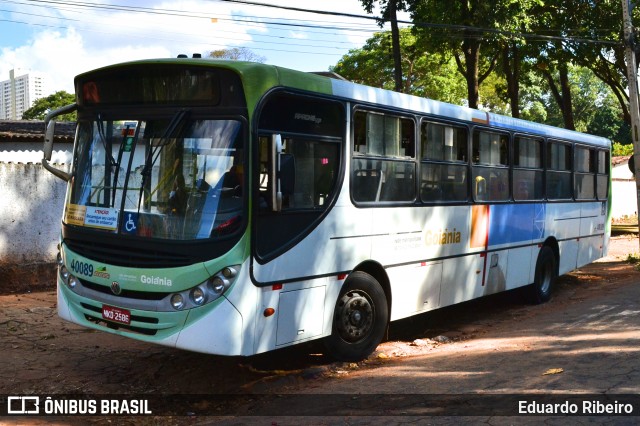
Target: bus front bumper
215, 328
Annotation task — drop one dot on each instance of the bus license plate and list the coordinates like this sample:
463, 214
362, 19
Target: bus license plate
111, 313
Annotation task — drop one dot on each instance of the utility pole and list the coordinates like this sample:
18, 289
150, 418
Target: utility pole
634, 108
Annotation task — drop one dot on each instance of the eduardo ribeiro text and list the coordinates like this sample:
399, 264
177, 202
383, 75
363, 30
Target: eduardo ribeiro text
586, 408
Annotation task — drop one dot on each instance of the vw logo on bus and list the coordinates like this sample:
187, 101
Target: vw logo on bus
115, 288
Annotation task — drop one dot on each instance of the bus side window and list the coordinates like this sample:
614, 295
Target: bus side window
367, 181
584, 176
490, 156
558, 175
527, 169
602, 178
316, 170
384, 168
444, 163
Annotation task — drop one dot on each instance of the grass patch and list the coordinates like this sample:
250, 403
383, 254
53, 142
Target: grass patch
634, 259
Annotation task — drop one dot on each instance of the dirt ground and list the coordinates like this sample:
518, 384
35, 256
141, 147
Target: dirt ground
41, 354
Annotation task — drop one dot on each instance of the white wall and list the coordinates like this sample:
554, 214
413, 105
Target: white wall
623, 191
31, 204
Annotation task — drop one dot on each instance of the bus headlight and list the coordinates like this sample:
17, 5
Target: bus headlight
218, 285
73, 281
177, 301
67, 278
198, 296
205, 292
229, 272
64, 274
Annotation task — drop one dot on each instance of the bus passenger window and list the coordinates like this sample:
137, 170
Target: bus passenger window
602, 178
383, 135
444, 167
490, 176
384, 168
558, 174
584, 177
527, 169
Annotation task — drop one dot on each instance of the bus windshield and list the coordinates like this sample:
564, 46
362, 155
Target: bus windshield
174, 177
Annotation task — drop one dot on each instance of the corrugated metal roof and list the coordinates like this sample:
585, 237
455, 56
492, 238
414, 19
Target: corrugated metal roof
620, 160
33, 131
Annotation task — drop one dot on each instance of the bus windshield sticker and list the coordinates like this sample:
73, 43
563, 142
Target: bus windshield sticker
101, 217
74, 214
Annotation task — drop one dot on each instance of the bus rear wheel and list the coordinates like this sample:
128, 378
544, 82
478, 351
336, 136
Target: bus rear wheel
545, 276
359, 320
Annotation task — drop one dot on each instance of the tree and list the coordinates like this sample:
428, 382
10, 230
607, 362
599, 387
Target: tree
594, 108
41, 107
471, 31
600, 23
587, 34
389, 9
237, 54
427, 75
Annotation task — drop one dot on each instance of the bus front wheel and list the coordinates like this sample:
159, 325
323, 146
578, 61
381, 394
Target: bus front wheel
545, 276
359, 320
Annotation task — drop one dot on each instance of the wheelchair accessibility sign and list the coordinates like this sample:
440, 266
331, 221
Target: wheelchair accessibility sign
130, 223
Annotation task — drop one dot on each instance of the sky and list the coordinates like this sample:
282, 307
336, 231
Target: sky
62, 38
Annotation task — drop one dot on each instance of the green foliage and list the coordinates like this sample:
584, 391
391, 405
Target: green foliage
476, 51
620, 150
634, 259
430, 75
237, 54
41, 107
458, 48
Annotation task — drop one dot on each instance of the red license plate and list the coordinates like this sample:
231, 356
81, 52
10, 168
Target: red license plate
111, 313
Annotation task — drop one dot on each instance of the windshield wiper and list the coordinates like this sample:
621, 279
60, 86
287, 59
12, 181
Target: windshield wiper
103, 139
175, 125
123, 144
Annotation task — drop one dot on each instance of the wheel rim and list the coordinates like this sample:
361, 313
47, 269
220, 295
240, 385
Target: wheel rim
354, 318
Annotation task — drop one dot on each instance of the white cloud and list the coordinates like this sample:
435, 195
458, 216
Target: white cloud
61, 56
86, 39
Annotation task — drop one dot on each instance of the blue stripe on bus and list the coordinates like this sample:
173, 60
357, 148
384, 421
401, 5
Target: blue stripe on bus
513, 223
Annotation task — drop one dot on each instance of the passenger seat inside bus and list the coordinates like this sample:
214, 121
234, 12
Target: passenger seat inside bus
367, 185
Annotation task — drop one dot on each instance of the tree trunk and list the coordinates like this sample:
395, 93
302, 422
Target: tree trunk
562, 95
567, 107
511, 68
471, 50
395, 45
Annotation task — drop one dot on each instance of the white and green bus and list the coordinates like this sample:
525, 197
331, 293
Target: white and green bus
236, 208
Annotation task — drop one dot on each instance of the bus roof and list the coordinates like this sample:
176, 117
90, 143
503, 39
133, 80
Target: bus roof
363, 93
259, 78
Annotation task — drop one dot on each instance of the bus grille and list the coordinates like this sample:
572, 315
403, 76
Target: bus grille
127, 256
131, 294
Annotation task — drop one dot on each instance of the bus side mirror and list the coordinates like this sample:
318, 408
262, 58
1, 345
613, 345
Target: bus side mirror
49, 132
48, 139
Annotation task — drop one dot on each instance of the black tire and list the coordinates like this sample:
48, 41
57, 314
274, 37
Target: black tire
360, 319
545, 276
